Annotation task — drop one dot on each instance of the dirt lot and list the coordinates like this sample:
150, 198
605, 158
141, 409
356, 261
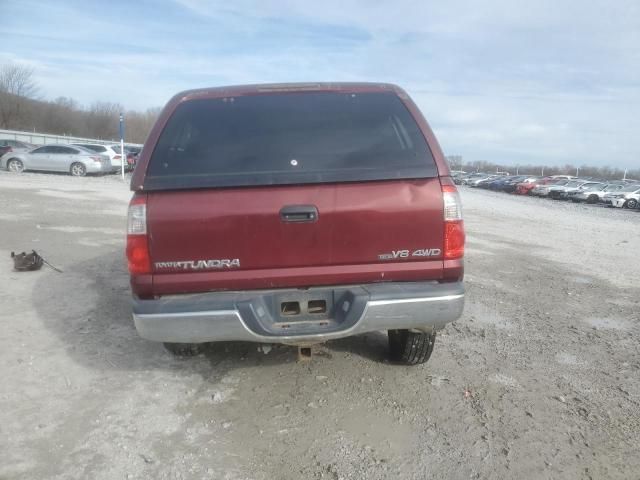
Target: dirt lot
539, 379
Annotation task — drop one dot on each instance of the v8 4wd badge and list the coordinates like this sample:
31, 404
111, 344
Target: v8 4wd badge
402, 254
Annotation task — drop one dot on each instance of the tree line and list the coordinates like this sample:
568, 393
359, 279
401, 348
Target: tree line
20, 109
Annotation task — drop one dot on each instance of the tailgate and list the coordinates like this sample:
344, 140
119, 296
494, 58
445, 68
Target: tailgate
271, 237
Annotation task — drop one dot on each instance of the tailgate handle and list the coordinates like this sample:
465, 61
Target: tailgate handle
299, 213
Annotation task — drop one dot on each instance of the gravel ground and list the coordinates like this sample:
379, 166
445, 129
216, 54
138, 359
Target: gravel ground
539, 379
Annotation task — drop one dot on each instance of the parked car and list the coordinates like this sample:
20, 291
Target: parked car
480, 181
131, 161
543, 189
630, 200
595, 193
466, 179
570, 192
10, 145
511, 184
626, 197
494, 183
76, 160
563, 177
241, 230
112, 151
491, 183
561, 192
526, 187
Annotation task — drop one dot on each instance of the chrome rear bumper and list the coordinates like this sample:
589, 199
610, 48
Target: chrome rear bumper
256, 316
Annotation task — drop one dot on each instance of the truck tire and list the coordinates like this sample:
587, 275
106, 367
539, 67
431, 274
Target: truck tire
183, 349
410, 347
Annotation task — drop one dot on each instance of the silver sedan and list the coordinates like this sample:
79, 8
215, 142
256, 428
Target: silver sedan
77, 161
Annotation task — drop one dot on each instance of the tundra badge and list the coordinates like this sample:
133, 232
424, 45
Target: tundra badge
200, 264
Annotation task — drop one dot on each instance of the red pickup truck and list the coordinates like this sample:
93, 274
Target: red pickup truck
294, 214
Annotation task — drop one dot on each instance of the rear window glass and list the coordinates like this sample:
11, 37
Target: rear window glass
277, 139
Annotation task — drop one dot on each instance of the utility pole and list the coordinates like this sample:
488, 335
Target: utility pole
123, 156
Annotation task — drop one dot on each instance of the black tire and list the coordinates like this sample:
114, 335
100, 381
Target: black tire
78, 169
631, 203
183, 349
410, 347
15, 165
592, 199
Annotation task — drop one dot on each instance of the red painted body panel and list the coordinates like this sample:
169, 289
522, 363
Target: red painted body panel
301, 277
357, 222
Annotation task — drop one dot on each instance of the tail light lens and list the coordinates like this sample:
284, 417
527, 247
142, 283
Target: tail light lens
117, 157
454, 235
138, 259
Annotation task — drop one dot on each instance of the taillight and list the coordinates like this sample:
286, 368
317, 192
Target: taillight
117, 157
138, 259
454, 236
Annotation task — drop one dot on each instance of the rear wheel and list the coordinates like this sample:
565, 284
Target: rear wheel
15, 165
410, 347
183, 349
592, 199
78, 170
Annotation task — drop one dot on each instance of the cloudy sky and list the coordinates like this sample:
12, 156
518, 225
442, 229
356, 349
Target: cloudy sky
513, 81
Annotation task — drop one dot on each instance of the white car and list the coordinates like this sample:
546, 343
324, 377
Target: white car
595, 193
569, 192
626, 197
75, 160
112, 151
562, 192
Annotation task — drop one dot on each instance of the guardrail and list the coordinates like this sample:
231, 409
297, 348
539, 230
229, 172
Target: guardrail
47, 138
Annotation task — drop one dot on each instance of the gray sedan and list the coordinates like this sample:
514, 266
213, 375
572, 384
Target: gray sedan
78, 161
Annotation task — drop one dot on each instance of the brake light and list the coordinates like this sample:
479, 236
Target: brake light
117, 157
454, 235
138, 258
